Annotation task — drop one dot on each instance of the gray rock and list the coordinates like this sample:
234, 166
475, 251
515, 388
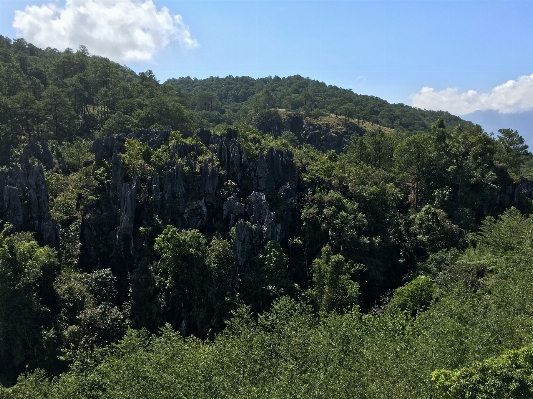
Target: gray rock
263, 220
232, 158
204, 135
196, 214
274, 169
39, 152
156, 192
209, 182
25, 202
13, 211
242, 245
105, 148
233, 210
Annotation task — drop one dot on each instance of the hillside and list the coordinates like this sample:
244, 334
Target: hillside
156, 245
231, 99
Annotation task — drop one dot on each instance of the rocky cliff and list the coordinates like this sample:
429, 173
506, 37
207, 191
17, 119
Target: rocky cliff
324, 133
24, 194
208, 183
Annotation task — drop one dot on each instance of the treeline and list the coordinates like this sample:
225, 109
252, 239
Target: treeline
48, 94
240, 99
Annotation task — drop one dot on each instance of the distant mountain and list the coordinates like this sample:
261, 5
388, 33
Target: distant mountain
492, 121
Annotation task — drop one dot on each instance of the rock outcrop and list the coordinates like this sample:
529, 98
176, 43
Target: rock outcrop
39, 152
274, 169
323, 133
24, 202
327, 136
187, 193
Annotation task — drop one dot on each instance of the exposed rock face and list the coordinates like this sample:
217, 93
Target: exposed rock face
242, 245
188, 192
196, 214
24, 202
276, 122
128, 201
231, 157
233, 210
274, 170
155, 191
254, 229
39, 152
104, 148
263, 220
204, 135
327, 136
209, 183
519, 191
324, 136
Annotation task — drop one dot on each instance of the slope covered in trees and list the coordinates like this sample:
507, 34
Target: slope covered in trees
230, 99
250, 246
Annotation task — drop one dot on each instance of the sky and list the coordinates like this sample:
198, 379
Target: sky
461, 56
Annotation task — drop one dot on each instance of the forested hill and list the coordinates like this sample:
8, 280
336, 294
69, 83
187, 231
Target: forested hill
230, 99
48, 94
292, 240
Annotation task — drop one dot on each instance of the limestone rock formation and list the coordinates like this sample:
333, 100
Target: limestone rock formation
24, 202
39, 152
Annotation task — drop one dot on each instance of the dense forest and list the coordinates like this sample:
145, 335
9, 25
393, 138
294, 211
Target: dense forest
237, 237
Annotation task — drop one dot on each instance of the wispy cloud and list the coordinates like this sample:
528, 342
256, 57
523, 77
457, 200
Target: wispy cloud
122, 30
511, 97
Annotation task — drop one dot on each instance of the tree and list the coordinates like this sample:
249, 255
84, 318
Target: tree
119, 123
512, 150
413, 160
60, 117
26, 271
375, 147
506, 376
333, 289
180, 277
414, 297
24, 115
348, 111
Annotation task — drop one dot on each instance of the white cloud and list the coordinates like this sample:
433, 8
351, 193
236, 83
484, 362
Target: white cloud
122, 30
511, 97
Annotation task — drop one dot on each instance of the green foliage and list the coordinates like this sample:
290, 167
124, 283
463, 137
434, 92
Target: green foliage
375, 148
182, 254
508, 235
413, 159
89, 317
25, 268
434, 230
75, 154
512, 150
507, 376
60, 118
414, 297
238, 99
119, 123
193, 278
48, 94
333, 288
137, 158
399, 203
331, 218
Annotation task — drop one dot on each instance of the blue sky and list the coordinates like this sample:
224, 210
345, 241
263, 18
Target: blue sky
461, 56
